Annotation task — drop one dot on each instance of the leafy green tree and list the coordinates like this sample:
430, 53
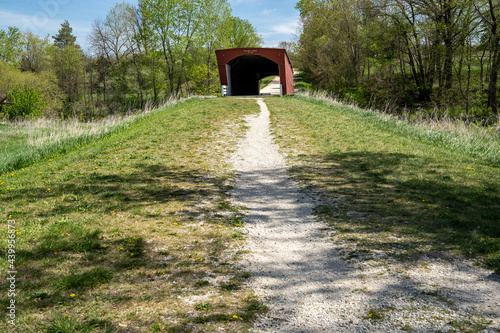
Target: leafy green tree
10, 45
147, 51
330, 46
64, 36
175, 25
68, 62
214, 34
35, 54
417, 53
490, 15
69, 65
44, 82
186, 33
26, 103
243, 34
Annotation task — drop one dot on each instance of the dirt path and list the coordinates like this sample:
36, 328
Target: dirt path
309, 287
273, 88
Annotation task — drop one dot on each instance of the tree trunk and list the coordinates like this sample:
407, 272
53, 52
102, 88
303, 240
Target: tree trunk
495, 65
492, 87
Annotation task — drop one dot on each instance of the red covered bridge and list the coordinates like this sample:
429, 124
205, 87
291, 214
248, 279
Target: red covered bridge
241, 69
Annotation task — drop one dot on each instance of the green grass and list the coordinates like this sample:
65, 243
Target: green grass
300, 84
24, 143
478, 141
123, 233
134, 231
265, 81
402, 189
89, 279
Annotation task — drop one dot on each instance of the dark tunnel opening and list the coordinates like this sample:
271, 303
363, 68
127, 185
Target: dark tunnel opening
247, 70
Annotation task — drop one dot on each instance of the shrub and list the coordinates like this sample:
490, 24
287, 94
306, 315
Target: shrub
493, 261
26, 103
45, 82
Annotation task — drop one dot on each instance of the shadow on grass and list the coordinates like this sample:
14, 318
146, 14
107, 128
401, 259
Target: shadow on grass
67, 324
409, 195
98, 193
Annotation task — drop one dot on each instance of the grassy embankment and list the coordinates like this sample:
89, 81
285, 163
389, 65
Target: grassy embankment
397, 188
23, 143
265, 81
133, 231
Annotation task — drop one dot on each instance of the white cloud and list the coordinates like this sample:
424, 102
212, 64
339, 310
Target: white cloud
267, 12
238, 2
38, 23
284, 28
42, 25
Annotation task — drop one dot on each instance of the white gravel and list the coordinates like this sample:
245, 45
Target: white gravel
273, 88
302, 278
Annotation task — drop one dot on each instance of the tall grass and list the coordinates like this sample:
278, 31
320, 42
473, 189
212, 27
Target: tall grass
31, 141
460, 135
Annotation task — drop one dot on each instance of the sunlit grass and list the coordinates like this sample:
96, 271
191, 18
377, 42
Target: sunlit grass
463, 136
265, 81
28, 141
390, 187
133, 230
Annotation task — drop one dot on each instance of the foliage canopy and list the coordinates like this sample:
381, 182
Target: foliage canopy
138, 55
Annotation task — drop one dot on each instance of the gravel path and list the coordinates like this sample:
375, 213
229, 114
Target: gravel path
307, 285
273, 88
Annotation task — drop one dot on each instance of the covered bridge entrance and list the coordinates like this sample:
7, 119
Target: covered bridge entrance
241, 69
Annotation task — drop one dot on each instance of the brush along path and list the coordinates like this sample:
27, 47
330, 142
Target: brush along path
307, 284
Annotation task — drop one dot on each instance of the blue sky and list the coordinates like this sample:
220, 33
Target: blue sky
275, 20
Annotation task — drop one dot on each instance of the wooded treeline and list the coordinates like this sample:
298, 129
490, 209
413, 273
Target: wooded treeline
428, 54
137, 55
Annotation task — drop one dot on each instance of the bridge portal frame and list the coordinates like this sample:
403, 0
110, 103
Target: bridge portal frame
227, 57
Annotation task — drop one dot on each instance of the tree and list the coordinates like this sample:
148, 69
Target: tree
113, 39
490, 14
216, 24
35, 53
174, 24
10, 45
44, 82
26, 103
290, 47
147, 50
403, 52
64, 36
330, 46
243, 34
68, 64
